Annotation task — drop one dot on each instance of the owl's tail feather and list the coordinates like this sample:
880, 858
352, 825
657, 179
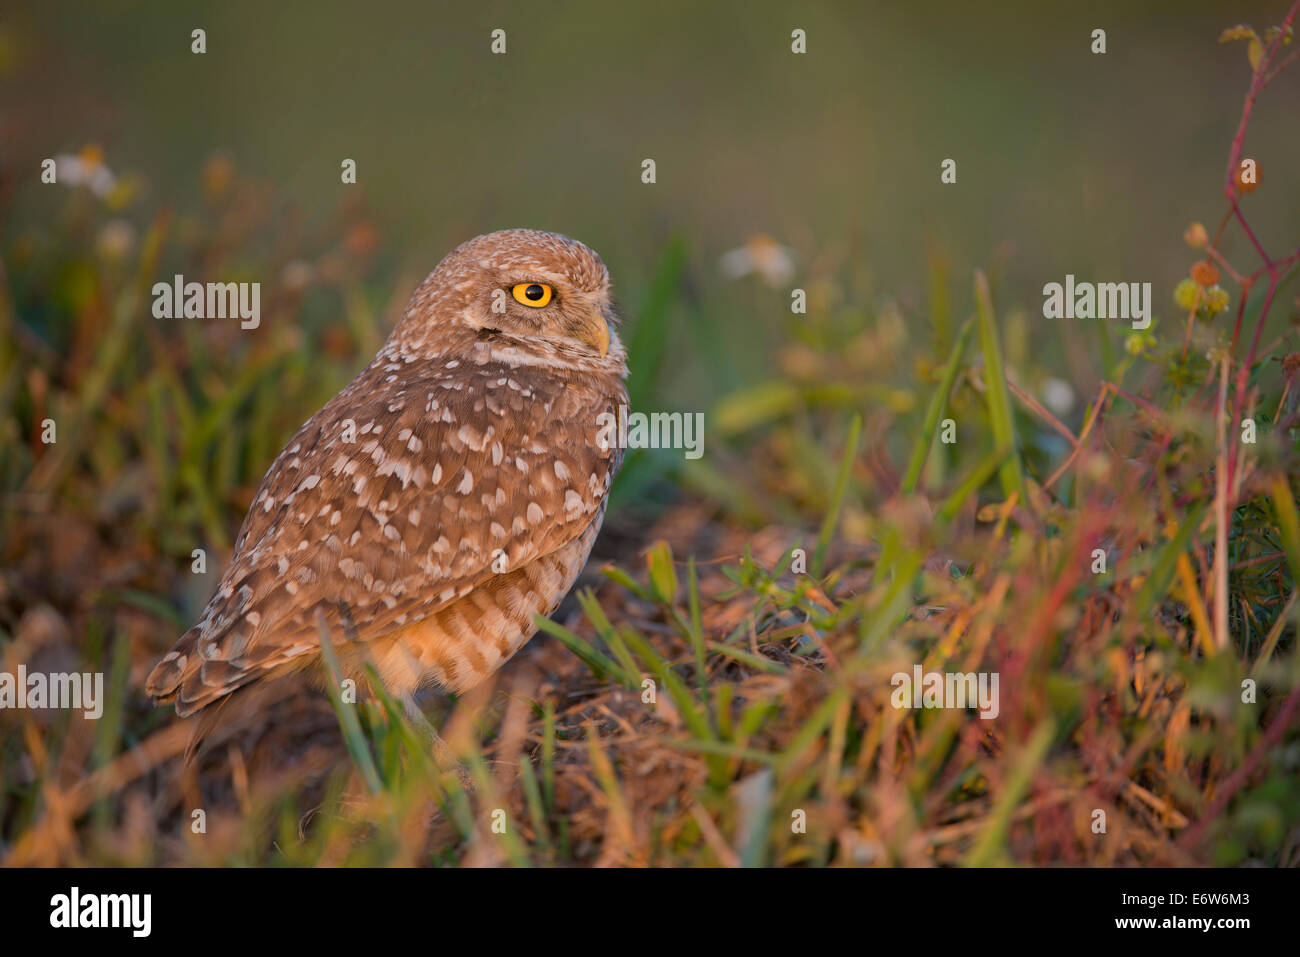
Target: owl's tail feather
164, 682
167, 682
193, 679
199, 688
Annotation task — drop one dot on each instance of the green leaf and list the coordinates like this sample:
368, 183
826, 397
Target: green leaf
663, 577
1239, 32
616, 574
1255, 51
997, 395
755, 406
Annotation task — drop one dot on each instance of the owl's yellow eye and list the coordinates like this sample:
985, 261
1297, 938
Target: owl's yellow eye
536, 294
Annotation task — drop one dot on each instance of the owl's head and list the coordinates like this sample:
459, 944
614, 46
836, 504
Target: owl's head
523, 293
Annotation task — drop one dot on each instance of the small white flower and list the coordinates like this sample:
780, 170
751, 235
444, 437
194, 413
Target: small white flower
1058, 396
85, 169
763, 255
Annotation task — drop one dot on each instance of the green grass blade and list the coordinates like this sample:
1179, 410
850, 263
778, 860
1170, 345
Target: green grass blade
938, 402
982, 472
997, 395
837, 500
601, 666
353, 736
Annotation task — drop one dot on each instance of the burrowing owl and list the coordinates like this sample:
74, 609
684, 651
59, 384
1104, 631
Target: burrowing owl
450, 493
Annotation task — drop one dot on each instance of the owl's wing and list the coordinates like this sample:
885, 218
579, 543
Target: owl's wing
453, 475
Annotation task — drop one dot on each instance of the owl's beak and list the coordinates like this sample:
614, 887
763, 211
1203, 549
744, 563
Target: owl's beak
594, 331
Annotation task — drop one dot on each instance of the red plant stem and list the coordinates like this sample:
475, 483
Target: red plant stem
1256, 84
1244, 372
1227, 266
1223, 224
1288, 422
1250, 233
1274, 270
1155, 413
1279, 267
1258, 560
1281, 67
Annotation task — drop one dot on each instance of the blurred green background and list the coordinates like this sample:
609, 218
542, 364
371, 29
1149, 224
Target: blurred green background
1067, 161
